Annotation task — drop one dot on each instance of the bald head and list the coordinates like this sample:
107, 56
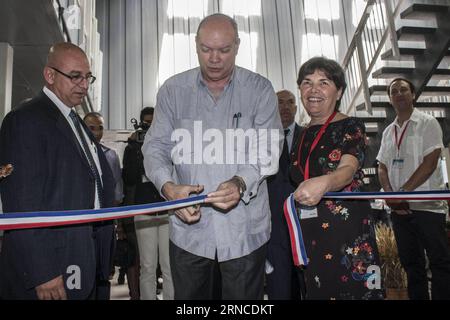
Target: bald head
286, 93
287, 107
219, 20
59, 52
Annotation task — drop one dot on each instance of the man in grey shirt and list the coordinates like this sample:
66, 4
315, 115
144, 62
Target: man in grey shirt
191, 148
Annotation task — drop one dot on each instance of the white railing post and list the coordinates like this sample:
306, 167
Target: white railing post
364, 74
391, 26
366, 59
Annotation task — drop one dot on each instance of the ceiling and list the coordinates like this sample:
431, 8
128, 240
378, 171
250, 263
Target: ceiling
30, 27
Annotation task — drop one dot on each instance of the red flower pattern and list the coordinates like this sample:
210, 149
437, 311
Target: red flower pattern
335, 155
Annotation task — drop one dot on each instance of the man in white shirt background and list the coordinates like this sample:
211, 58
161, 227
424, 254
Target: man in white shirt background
409, 161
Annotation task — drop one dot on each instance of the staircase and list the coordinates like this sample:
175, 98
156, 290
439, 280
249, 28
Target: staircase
397, 39
424, 53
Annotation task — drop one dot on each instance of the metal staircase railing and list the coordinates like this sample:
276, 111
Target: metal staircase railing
62, 22
377, 24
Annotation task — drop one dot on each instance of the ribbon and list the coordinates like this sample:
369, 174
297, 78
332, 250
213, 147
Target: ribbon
27, 220
295, 232
299, 254
400, 195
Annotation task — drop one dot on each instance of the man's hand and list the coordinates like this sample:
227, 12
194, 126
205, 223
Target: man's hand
227, 195
174, 191
6, 170
133, 136
52, 290
399, 206
121, 234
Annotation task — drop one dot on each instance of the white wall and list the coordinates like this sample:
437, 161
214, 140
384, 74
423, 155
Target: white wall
146, 41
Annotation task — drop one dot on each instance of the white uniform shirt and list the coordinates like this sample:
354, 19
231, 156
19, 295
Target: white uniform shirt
423, 135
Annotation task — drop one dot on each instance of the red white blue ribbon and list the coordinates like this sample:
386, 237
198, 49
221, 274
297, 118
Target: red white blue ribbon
21, 220
27, 220
400, 195
299, 254
295, 232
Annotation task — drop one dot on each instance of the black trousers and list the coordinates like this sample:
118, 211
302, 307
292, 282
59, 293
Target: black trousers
199, 278
285, 281
417, 233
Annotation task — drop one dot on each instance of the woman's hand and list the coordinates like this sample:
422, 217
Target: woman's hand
311, 191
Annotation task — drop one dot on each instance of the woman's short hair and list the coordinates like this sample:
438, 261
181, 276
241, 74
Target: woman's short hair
332, 70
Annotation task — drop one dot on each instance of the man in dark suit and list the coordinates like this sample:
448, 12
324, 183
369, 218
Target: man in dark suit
283, 278
58, 165
5, 171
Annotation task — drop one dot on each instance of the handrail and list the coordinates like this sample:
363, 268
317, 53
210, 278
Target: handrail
361, 25
391, 24
359, 62
64, 28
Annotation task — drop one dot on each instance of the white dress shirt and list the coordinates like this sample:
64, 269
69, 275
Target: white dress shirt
422, 136
65, 110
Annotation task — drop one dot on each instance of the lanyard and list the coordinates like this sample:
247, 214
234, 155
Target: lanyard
313, 146
399, 142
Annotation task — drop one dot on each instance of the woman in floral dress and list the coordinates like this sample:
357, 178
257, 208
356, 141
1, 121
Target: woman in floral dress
342, 253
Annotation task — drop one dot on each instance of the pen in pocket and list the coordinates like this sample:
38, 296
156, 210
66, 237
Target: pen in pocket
236, 119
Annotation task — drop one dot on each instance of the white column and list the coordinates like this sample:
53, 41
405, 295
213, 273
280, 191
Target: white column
6, 76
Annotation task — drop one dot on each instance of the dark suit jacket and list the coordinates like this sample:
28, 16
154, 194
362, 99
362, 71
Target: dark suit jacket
50, 173
132, 172
280, 187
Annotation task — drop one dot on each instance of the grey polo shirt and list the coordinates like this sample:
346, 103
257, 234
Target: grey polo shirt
189, 143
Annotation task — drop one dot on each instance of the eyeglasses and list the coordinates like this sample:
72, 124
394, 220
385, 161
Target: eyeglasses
77, 78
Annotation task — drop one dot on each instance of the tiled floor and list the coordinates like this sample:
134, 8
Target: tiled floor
120, 291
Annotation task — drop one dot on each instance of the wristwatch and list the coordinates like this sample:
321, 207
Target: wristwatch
241, 185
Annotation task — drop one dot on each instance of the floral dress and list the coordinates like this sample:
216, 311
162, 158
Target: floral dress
340, 242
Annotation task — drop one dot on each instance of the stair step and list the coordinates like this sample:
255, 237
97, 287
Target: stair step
382, 119
380, 90
371, 130
381, 106
371, 133
407, 54
372, 119
393, 72
418, 105
409, 33
422, 11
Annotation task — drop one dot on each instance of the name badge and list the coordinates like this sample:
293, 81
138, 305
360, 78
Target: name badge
398, 163
305, 212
